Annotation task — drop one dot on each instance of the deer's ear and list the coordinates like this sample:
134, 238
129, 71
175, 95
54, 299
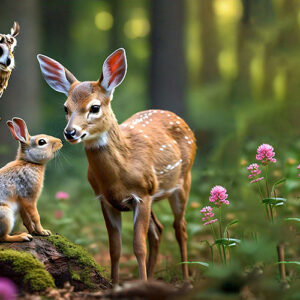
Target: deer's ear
14, 31
114, 70
55, 74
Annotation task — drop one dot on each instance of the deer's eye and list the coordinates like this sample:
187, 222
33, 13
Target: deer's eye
95, 109
42, 142
66, 110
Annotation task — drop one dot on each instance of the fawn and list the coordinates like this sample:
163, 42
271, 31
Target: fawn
21, 182
8, 43
147, 158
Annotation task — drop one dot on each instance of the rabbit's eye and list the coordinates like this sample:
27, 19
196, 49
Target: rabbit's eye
42, 142
1, 39
66, 110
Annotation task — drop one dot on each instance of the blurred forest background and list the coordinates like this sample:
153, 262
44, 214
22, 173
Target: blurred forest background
230, 68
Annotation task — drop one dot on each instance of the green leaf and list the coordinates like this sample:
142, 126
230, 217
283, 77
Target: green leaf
274, 201
207, 242
277, 183
230, 224
204, 264
292, 219
289, 262
227, 242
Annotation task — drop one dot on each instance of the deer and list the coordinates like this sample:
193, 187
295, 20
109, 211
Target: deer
145, 159
8, 43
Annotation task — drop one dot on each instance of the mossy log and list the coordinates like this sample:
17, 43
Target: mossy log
48, 262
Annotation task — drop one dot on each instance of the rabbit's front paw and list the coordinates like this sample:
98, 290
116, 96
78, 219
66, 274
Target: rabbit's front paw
25, 237
43, 232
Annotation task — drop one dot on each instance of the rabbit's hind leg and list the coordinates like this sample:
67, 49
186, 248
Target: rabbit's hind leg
7, 221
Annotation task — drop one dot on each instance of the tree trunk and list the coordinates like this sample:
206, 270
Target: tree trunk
209, 42
167, 62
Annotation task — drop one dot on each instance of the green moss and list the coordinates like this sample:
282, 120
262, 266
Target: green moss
35, 277
82, 258
74, 251
75, 275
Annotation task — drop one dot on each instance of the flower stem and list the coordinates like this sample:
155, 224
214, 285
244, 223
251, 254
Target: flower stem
220, 222
262, 197
215, 237
271, 211
213, 231
267, 181
212, 254
224, 253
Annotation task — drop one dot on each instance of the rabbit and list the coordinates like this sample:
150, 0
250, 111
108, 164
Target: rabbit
21, 182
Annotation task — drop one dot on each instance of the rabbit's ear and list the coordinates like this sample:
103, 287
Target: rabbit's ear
20, 130
12, 129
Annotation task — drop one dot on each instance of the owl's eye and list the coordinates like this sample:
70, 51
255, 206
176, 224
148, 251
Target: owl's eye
42, 142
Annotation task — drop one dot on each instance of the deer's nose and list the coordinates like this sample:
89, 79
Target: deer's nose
69, 134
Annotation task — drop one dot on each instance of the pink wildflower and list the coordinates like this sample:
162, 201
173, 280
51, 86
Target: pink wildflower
208, 215
62, 195
256, 180
265, 153
8, 290
254, 172
298, 169
58, 214
218, 196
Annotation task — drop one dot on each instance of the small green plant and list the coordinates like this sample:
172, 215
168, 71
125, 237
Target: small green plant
265, 154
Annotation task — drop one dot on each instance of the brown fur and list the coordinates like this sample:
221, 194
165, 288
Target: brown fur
147, 158
4, 77
21, 182
9, 41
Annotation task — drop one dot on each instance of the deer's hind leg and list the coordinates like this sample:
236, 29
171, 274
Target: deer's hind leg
7, 220
154, 238
178, 201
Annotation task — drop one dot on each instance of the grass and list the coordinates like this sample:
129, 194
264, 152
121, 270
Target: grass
82, 221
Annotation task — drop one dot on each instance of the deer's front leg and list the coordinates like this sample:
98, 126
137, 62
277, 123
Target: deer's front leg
141, 221
29, 206
113, 223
